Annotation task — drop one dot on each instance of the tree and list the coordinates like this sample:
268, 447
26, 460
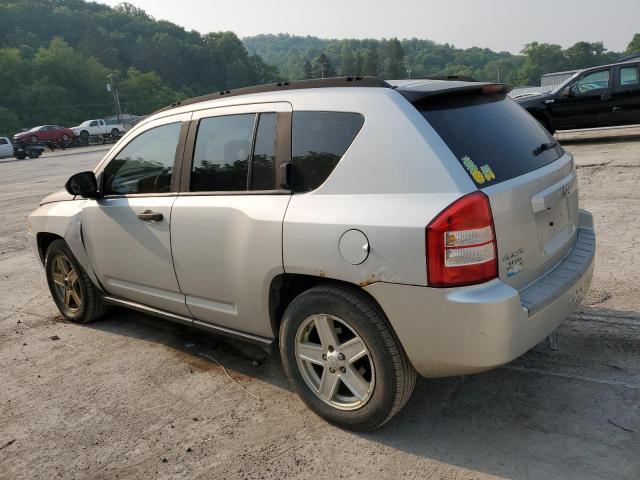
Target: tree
144, 92
371, 63
634, 45
540, 58
307, 70
322, 67
394, 64
9, 122
347, 62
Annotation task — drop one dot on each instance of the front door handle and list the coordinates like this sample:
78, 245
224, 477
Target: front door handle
149, 216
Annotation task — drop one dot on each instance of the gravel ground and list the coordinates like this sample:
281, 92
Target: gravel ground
131, 396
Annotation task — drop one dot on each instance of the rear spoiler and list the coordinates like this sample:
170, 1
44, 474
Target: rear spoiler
418, 92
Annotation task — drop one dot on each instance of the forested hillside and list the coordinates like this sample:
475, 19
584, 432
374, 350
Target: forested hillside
308, 57
55, 56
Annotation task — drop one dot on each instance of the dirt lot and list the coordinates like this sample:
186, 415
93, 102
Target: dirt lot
133, 397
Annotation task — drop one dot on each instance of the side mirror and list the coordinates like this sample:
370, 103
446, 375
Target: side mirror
83, 184
567, 92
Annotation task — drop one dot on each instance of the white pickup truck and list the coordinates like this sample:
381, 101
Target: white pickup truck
97, 127
6, 149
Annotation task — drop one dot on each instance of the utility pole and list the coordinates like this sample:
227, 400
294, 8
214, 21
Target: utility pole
116, 98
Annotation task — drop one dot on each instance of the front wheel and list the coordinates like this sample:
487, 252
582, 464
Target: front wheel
115, 133
343, 359
34, 139
71, 288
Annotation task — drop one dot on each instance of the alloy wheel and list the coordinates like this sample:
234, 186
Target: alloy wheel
66, 284
334, 362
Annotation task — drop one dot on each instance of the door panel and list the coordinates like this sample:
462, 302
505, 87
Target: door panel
132, 257
626, 95
589, 106
227, 249
227, 244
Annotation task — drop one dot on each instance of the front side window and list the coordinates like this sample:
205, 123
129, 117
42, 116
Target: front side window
221, 156
319, 141
145, 165
591, 81
628, 76
3, 141
94, 123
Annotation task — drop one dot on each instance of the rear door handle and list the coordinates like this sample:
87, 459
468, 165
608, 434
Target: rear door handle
149, 216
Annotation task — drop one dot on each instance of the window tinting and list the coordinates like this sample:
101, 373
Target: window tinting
3, 141
145, 165
319, 141
493, 138
628, 76
592, 81
221, 157
263, 166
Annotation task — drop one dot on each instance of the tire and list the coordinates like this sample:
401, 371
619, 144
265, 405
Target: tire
384, 373
34, 155
65, 138
84, 137
85, 304
115, 133
20, 156
34, 139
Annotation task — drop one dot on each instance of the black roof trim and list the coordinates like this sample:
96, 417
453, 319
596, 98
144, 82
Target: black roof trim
275, 87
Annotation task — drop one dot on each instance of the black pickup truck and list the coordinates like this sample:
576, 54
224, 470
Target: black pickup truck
595, 97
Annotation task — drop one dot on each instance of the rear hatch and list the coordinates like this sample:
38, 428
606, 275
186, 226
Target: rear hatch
529, 179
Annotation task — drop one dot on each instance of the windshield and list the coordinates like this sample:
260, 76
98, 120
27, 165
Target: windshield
35, 129
493, 137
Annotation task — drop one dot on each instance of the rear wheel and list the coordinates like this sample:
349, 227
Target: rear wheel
343, 359
34, 139
115, 133
71, 288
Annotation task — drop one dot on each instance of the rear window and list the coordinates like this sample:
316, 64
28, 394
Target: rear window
493, 137
319, 142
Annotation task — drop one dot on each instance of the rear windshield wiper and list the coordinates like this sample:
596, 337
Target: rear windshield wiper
544, 147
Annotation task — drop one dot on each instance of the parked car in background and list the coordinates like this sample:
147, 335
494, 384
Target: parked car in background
19, 150
370, 230
6, 148
44, 133
596, 97
97, 127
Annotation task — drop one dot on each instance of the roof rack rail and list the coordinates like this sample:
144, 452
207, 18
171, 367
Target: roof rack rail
274, 87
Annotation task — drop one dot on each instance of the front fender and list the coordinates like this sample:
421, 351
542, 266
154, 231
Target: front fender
65, 220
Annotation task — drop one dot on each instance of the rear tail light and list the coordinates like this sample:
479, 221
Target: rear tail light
461, 244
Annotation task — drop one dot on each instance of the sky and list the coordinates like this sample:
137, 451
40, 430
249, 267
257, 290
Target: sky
499, 25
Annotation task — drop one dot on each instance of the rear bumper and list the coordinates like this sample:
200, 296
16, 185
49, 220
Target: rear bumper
458, 331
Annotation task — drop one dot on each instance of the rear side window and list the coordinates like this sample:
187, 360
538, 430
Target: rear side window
628, 76
493, 137
319, 142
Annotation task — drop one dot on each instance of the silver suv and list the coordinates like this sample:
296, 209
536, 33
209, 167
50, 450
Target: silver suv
372, 230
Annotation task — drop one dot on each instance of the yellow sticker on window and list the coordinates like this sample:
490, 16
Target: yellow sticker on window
480, 175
